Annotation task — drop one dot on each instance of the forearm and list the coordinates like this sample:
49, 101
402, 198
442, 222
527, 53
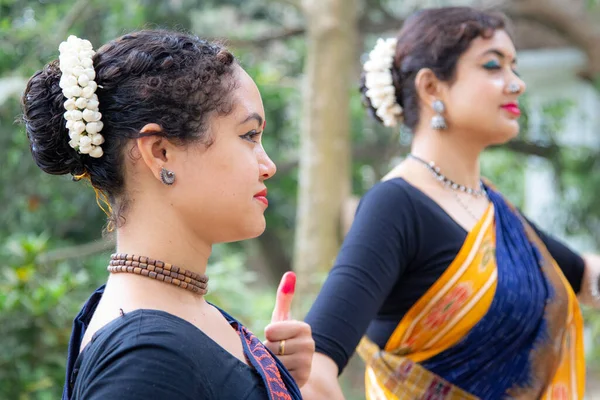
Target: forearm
590, 285
323, 381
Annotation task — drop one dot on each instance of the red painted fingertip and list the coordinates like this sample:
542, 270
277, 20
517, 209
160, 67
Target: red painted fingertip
289, 283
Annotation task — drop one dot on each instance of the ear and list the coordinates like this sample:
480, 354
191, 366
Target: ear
429, 88
154, 149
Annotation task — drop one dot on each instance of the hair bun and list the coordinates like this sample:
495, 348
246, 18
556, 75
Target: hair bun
43, 110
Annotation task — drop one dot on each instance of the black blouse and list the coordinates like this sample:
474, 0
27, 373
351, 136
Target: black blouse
400, 243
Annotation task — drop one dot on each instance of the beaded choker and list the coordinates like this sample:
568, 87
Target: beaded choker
158, 270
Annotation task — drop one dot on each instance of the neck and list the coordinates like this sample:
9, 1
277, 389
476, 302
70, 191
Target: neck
457, 160
161, 236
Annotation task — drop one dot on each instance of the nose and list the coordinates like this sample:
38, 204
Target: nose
267, 167
516, 85
523, 85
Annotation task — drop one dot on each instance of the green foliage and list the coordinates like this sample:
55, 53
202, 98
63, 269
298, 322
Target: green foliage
494, 166
239, 291
40, 213
37, 304
592, 322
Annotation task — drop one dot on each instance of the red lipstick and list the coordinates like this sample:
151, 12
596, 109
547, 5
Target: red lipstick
512, 108
262, 197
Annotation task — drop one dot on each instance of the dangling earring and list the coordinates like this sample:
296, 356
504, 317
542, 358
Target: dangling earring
167, 177
438, 121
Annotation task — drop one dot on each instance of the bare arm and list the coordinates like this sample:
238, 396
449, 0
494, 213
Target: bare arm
591, 275
375, 254
323, 381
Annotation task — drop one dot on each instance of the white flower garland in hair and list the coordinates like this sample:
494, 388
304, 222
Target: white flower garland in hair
379, 82
78, 86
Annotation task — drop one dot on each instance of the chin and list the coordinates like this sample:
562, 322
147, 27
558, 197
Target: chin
257, 232
253, 229
505, 134
243, 229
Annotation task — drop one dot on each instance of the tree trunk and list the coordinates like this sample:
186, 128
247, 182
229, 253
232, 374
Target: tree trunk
324, 174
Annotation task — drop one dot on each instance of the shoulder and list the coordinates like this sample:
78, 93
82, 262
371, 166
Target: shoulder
387, 216
393, 202
394, 193
149, 330
143, 354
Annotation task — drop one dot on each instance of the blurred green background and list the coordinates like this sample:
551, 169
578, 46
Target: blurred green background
50, 227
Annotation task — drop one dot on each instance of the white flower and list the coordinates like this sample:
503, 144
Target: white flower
375, 65
90, 71
70, 104
85, 44
79, 87
92, 103
93, 85
88, 91
81, 103
88, 115
78, 127
96, 152
77, 70
379, 82
97, 139
68, 61
75, 115
72, 91
74, 136
85, 148
83, 54
379, 94
91, 116
67, 80
93, 127
85, 140
83, 80
87, 64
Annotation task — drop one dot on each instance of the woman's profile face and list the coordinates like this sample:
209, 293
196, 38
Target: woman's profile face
480, 102
220, 188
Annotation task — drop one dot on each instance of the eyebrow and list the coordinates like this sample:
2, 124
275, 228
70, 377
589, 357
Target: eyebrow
499, 54
253, 116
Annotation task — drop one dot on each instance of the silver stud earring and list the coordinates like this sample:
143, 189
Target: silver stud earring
438, 121
514, 88
167, 177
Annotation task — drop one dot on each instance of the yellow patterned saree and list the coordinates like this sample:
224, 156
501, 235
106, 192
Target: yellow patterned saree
502, 322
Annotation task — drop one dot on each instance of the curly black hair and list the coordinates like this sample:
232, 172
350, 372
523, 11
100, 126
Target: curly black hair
169, 78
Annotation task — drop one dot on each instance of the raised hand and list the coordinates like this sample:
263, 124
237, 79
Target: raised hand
290, 340
283, 300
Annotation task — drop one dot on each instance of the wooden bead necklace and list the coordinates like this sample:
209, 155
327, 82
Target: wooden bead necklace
159, 270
